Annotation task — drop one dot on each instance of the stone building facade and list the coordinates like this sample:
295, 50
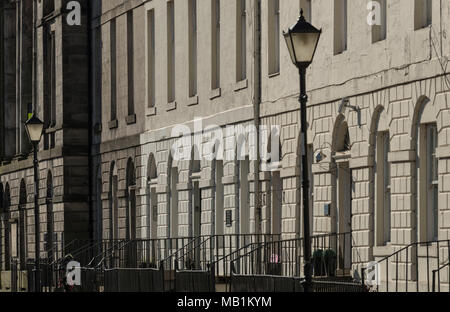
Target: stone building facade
44, 69
378, 117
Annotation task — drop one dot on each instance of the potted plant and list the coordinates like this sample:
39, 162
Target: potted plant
317, 262
274, 267
329, 258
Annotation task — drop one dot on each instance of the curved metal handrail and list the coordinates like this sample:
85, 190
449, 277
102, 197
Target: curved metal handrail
163, 261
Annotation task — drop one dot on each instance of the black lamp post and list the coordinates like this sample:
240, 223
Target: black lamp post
35, 128
302, 40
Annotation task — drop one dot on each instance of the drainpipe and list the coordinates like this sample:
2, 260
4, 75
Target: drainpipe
34, 76
2, 60
90, 122
256, 113
18, 72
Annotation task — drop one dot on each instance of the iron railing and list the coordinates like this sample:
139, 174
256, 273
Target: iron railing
437, 277
411, 268
331, 256
178, 263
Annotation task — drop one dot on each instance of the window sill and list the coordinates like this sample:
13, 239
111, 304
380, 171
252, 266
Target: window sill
193, 100
340, 52
422, 28
379, 41
215, 93
131, 119
241, 85
98, 128
273, 75
151, 111
172, 106
113, 124
50, 130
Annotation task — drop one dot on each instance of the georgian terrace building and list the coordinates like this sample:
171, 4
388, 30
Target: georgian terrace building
377, 114
43, 68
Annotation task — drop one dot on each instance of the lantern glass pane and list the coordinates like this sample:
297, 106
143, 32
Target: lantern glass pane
287, 37
35, 131
304, 46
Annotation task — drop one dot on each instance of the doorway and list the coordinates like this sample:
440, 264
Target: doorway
197, 221
276, 198
344, 216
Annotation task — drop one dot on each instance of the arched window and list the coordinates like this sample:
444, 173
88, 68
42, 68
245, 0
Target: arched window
99, 204
50, 236
244, 196
172, 181
427, 182
113, 203
6, 228
276, 185
22, 222
217, 176
379, 146
131, 200
195, 209
152, 198
342, 186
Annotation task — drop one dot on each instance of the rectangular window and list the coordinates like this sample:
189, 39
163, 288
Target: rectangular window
380, 27
274, 36
306, 6
48, 77
215, 42
130, 62
170, 52
432, 182
422, 13
53, 79
241, 41
151, 58
192, 47
340, 26
113, 69
53, 86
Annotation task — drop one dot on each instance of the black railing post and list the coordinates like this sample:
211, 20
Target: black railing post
387, 275
417, 267
212, 269
407, 263
305, 179
428, 267
37, 278
434, 281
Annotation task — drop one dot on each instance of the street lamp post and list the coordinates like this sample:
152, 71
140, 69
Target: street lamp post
301, 40
34, 127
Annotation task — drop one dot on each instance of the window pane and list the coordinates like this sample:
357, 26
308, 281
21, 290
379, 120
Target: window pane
387, 183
